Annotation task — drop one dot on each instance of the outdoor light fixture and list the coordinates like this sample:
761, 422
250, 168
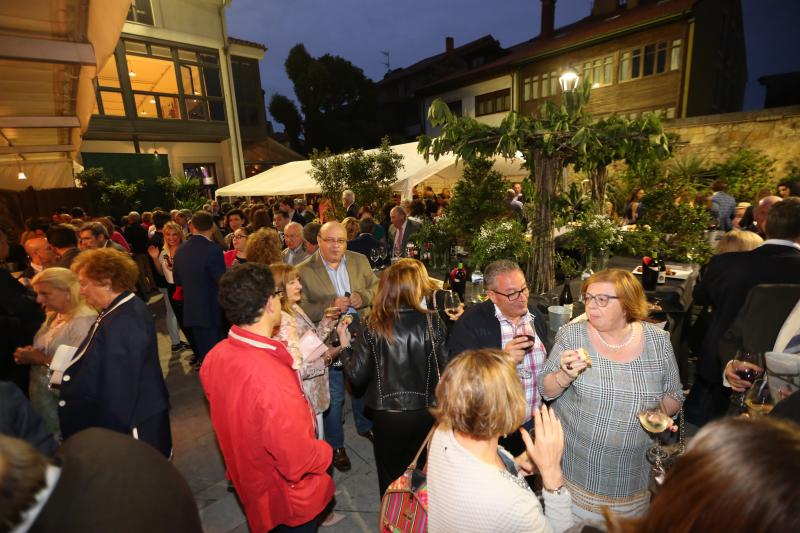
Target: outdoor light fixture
132, 74
22, 176
569, 80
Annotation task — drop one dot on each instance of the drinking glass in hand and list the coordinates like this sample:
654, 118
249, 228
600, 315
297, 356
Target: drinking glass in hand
451, 304
655, 420
747, 373
758, 398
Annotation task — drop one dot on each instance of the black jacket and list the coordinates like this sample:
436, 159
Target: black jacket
725, 285
479, 328
400, 375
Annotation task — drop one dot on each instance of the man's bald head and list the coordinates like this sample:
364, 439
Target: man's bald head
398, 216
762, 210
332, 241
39, 250
293, 235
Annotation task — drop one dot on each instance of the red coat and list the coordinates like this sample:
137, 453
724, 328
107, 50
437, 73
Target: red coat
265, 428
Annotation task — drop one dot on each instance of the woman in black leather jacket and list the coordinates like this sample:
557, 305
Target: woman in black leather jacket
398, 358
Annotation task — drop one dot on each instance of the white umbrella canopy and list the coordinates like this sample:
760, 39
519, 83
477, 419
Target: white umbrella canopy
294, 178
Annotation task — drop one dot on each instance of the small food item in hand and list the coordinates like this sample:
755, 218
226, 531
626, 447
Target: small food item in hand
346, 319
585, 356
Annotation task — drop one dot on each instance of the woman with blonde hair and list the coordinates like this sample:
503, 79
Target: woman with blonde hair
263, 247
600, 374
352, 228
67, 323
738, 240
473, 483
398, 358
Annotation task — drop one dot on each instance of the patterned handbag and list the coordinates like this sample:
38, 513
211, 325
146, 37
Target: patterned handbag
404, 506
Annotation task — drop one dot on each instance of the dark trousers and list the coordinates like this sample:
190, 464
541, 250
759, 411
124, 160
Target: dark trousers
398, 436
205, 338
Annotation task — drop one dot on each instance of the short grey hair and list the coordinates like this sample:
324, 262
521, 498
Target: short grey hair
495, 268
347, 193
134, 217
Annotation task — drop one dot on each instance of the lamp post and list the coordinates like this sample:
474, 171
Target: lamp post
569, 80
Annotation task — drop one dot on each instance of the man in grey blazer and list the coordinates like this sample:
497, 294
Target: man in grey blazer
401, 229
295, 252
334, 277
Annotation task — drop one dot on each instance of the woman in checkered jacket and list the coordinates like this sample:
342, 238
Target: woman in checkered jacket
600, 374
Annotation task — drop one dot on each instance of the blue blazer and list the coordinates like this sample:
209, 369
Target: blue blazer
199, 263
117, 382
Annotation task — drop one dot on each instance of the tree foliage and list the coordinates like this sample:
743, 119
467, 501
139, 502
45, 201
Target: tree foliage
337, 100
477, 197
285, 111
110, 195
182, 192
370, 175
747, 172
559, 135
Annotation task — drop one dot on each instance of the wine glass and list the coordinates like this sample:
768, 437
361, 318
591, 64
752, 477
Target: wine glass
747, 373
655, 420
451, 304
758, 398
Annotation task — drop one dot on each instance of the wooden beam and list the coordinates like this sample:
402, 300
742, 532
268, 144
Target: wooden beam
40, 122
36, 149
45, 50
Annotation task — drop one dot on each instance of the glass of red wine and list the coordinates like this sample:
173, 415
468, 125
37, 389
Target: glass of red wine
747, 373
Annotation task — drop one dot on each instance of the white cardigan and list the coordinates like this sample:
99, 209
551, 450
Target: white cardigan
466, 494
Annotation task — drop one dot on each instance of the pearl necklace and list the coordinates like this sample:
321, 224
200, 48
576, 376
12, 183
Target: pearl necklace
616, 346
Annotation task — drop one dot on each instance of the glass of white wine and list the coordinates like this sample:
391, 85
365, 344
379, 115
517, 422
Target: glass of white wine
451, 304
758, 399
655, 420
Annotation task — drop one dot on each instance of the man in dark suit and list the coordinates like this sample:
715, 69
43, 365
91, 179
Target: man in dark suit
725, 285
102, 481
336, 277
400, 231
349, 202
199, 264
287, 206
506, 321
365, 242
65, 243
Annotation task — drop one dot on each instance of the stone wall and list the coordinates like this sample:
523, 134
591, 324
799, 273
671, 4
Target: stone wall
774, 132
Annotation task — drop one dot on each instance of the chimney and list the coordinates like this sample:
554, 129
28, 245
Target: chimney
448, 44
548, 19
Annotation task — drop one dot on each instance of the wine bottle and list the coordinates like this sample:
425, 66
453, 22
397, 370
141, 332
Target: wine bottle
458, 280
662, 270
565, 299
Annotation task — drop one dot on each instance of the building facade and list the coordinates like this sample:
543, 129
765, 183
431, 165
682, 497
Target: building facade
676, 58
168, 94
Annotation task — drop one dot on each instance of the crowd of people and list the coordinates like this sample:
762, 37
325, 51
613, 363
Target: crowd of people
284, 312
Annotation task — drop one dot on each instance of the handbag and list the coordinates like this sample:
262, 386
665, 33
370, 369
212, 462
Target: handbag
404, 506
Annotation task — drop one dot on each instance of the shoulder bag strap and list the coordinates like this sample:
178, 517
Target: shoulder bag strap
425, 444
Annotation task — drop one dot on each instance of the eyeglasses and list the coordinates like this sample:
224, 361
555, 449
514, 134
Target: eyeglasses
330, 240
514, 295
237, 237
600, 299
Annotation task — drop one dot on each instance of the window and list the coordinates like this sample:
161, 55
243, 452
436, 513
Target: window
675, 56
166, 83
649, 60
141, 11
206, 173
455, 107
495, 102
553, 83
599, 72
526, 89
545, 85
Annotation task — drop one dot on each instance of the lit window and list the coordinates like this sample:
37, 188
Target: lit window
545, 85
190, 76
553, 83
196, 109
152, 75
625, 66
112, 104
535, 88
526, 89
145, 105
675, 60
608, 70
108, 77
170, 107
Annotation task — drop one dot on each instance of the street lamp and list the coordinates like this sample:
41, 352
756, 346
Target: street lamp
569, 80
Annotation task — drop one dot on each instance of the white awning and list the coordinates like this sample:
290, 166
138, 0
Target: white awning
294, 178
50, 51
